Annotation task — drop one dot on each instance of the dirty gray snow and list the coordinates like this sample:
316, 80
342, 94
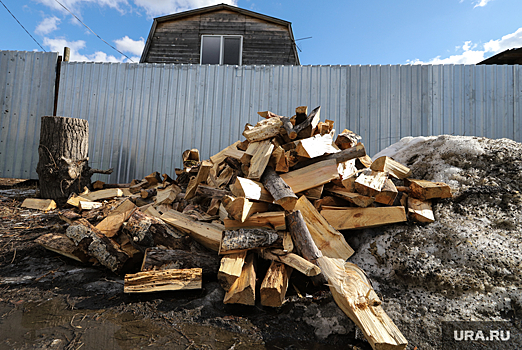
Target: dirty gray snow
467, 265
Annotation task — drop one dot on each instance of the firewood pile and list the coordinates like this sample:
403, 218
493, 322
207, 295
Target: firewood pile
282, 195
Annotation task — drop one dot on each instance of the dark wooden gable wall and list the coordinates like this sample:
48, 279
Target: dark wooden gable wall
179, 40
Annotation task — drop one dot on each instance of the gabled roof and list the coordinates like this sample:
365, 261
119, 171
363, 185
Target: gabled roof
510, 56
213, 8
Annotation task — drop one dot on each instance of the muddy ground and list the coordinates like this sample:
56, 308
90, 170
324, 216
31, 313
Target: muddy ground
467, 266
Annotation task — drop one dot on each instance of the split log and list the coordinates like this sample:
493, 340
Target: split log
74, 200
311, 176
153, 179
301, 113
278, 160
162, 280
274, 285
330, 241
148, 193
355, 198
230, 268
97, 245
157, 258
204, 170
246, 239
330, 201
346, 169
219, 157
260, 160
347, 139
363, 162
147, 231
167, 196
395, 169
265, 129
191, 154
211, 192
340, 157
88, 205
369, 183
315, 146
313, 193
206, 234
213, 208
39, 204
279, 189
304, 243
136, 188
241, 208
61, 244
356, 218
306, 128
293, 260
420, 210
388, 193
424, 190
103, 194
273, 220
252, 190
289, 128
98, 185
243, 291
69, 216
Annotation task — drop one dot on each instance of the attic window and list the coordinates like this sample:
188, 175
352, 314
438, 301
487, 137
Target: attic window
221, 49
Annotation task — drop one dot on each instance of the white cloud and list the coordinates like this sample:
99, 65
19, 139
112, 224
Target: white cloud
472, 55
75, 5
134, 47
155, 8
49, 24
481, 3
58, 44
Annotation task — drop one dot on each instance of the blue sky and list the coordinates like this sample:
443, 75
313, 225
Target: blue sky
343, 32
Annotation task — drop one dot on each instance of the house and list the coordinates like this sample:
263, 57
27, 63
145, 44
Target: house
220, 34
510, 56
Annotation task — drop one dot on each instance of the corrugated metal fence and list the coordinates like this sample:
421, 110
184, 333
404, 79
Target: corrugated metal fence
143, 116
26, 94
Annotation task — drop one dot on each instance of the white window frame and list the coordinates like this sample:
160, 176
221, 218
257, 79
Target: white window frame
221, 45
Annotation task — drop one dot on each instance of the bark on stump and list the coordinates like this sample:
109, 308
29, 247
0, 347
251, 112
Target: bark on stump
63, 163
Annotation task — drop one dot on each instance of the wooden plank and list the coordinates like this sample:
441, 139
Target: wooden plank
274, 220
311, 176
243, 291
250, 189
330, 241
230, 268
260, 160
395, 169
39, 204
162, 280
354, 218
424, 190
274, 285
206, 234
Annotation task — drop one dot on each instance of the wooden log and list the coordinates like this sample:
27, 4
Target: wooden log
162, 280
241, 208
395, 169
191, 154
157, 258
265, 129
211, 192
147, 231
202, 176
369, 182
424, 190
330, 201
311, 176
61, 244
243, 291
293, 260
388, 193
346, 169
98, 185
69, 216
213, 208
315, 146
103, 194
330, 241
301, 113
347, 139
206, 234
230, 268
260, 160
224, 177
74, 200
363, 162
354, 198
88, 205
97, 245
136, 188
252, 190
420, 210
340, 157
313, 193
274, 285
278, 160
167, 196
279, 189
219, 157
153, 179
273, 220
289, 128
306, 128
356, 218
233, 241
39, 204
148, 193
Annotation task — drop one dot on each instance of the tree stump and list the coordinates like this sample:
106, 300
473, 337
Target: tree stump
63, 163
